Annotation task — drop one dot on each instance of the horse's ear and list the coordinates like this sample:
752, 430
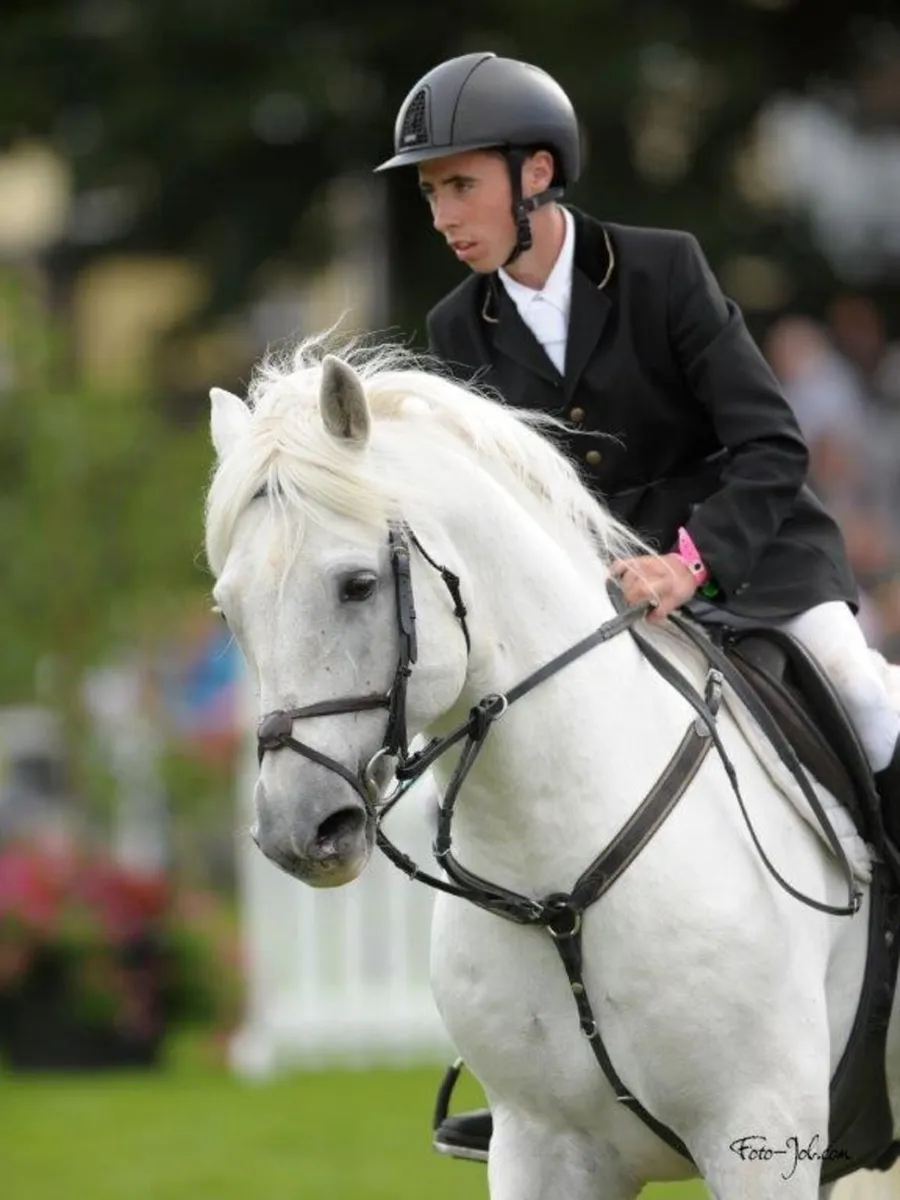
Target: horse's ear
228, 419
343, 403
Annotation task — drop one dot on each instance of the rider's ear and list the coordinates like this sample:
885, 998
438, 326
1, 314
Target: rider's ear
228, 419
342, 402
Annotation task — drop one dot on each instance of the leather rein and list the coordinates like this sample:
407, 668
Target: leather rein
560, 913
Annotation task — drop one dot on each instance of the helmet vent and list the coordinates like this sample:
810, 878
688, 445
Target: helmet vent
415, 130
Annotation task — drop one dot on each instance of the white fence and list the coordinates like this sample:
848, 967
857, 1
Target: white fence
337, 976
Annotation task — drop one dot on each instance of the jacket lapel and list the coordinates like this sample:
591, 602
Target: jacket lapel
512, 336
588, 311
590, 304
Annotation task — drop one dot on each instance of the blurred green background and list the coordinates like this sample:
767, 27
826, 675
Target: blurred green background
181, 187
334, 1134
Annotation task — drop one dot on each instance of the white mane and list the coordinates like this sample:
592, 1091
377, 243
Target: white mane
287, 451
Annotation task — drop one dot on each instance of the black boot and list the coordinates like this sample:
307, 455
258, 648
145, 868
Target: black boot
467, 1135
888, 783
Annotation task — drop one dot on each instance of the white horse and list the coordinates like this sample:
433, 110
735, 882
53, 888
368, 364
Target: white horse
724, 1004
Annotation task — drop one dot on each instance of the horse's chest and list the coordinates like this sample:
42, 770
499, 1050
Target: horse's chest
503, 996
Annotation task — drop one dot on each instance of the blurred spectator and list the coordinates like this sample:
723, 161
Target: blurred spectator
852, 453
829, 405
858, 329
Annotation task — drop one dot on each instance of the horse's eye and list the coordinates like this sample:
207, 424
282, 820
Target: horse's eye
359, 587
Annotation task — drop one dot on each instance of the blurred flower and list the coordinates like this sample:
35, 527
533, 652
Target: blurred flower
130, 952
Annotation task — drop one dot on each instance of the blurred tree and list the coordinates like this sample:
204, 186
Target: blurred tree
100, 517
213, 128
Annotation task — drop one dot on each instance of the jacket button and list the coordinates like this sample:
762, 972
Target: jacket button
577, 415
593, 458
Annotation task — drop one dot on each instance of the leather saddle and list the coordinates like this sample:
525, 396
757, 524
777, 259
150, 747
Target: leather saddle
802, 700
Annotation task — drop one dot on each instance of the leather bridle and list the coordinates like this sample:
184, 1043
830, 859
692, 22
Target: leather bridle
276, 728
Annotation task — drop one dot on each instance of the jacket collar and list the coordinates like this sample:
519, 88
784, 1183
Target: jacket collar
594, 268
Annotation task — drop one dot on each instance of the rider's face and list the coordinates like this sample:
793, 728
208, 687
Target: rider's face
471, 205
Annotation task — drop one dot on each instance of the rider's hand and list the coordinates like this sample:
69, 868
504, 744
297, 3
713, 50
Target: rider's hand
666, 580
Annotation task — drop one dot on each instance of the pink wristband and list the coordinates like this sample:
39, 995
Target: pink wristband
690, 556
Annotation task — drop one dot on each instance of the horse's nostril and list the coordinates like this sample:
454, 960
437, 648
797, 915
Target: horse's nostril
345, 823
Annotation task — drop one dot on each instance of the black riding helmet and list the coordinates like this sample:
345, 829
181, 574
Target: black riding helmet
482, 102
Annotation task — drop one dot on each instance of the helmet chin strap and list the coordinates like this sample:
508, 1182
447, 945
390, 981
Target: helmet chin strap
523, 206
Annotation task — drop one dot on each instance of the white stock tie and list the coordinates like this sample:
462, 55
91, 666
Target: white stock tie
548, 325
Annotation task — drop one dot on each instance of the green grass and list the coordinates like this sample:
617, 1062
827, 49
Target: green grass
194, 1133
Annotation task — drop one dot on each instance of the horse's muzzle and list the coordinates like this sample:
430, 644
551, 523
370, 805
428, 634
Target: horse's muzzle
322, 849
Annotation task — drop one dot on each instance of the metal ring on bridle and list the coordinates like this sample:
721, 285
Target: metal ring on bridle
488, 705
557, 933
372, 789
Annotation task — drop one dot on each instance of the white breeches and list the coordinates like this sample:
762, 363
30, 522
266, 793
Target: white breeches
833, 636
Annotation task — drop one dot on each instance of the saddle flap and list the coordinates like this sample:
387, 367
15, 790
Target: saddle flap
812, 716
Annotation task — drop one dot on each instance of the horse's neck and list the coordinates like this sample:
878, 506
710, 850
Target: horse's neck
567, 764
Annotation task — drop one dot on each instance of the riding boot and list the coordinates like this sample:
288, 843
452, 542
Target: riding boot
888, 783
463, 1135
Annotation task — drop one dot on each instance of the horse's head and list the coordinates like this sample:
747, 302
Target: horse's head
311, 566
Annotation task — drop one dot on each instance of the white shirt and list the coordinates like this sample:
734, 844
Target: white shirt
546, 311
